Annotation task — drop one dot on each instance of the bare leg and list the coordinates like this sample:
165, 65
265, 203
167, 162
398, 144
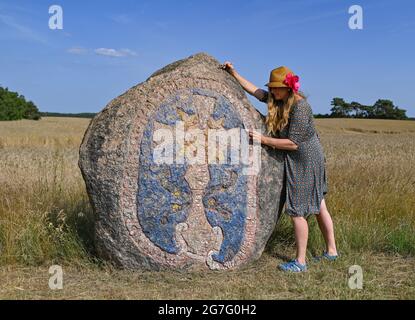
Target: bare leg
301, 237
326, 226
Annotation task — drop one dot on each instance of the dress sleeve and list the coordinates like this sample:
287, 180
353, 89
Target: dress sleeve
300, 128
261, 95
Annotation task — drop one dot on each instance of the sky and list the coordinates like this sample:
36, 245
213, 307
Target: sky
107, 47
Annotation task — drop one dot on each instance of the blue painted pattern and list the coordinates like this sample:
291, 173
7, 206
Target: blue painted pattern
164, 197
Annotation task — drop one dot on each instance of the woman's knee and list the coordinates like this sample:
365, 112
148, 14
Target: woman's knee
323, 207
298, 220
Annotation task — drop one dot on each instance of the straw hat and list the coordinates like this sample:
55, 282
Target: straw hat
278, 78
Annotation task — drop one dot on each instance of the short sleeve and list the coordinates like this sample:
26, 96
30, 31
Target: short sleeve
300, 128
261, 95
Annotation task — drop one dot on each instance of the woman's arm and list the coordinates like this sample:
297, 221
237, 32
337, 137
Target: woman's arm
249, 87
276, 143
246, 85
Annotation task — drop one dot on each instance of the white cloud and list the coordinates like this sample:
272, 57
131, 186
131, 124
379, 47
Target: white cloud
129, 52
114, 52
77, 50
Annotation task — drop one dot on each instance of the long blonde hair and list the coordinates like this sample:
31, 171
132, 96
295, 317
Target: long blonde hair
279, 111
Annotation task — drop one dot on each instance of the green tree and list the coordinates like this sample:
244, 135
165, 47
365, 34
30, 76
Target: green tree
15, 107
31, 112
385, 109
382, 109
338, 109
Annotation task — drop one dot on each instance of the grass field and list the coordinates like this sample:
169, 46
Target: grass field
46, 219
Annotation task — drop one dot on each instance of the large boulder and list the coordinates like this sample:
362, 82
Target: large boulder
203, 210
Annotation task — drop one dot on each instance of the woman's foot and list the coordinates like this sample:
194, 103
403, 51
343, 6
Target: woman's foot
327, 256
293, 266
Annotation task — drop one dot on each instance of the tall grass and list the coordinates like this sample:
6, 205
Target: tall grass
45, 216
44, 211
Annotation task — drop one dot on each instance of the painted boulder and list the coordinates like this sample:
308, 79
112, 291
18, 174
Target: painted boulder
172, 177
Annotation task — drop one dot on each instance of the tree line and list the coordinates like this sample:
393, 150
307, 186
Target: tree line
382, 109
68, 115
14, 106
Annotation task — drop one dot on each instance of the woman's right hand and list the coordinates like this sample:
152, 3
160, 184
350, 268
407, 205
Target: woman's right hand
246, 85
228, 66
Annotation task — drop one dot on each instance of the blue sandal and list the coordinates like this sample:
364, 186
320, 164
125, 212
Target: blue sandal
326, 256
293, 266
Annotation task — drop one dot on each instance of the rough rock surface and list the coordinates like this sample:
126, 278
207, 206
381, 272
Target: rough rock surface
152, 215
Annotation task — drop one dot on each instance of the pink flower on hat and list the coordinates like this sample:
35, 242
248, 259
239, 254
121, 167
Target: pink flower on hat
292, 81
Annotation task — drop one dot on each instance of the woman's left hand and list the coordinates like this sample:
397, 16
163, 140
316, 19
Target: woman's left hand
257, 136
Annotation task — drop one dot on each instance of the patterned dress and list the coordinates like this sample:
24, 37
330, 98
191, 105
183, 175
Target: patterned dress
305, 181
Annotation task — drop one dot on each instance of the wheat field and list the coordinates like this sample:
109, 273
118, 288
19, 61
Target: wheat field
46, 219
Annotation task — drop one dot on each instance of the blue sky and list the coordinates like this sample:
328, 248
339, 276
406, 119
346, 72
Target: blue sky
106, 47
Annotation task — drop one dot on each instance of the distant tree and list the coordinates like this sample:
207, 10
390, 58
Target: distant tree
382, 109
400, 114
31, 112
338, 110
367, 111
355, 109
15, 107
71, 115
319, 115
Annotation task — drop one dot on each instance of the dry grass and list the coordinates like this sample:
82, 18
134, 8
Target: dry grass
365, 126
384, 277
48, 133
44, 209
45, 218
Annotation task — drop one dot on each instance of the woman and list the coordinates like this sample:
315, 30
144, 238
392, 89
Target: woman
290, 117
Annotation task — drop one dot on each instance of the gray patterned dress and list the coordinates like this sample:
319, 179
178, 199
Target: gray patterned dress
305, 180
